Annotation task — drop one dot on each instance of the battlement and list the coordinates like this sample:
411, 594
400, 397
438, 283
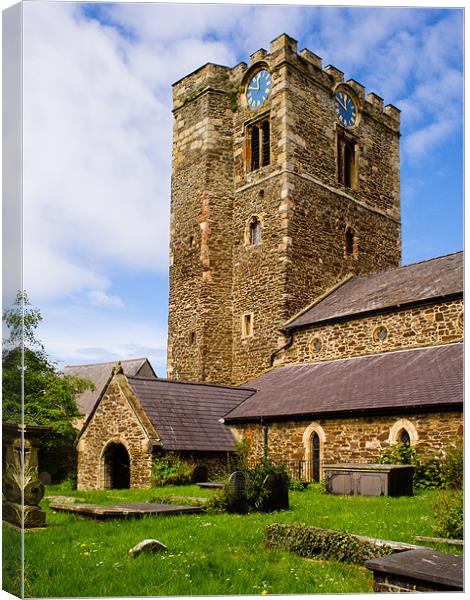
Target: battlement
284, 49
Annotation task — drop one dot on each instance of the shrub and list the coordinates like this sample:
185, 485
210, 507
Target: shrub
428, 471
218, 502
239, 460
170, 469
256, 476
448, 512
297, 485
452, 466
314, 542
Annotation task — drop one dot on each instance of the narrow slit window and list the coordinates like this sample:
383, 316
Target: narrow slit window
349, 242
255, 231
247, 325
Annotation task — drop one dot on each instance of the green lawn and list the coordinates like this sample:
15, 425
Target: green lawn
207, 554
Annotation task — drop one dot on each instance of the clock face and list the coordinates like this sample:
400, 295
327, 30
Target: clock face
258, 89
345, 109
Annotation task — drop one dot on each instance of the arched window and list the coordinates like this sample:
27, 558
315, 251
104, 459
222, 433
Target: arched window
255, 231
404, 437
314, 443
403, 431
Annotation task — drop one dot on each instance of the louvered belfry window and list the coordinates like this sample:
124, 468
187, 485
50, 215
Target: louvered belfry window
258, 148
346, 161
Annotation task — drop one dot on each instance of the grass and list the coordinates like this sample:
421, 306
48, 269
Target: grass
208, 554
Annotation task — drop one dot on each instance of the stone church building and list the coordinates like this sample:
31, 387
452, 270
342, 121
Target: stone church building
285, 249
285, 276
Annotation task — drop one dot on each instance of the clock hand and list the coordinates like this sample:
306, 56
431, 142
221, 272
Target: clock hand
253, 88
343, 104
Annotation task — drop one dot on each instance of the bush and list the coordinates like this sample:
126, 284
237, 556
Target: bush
239, 460
218, 502
170, 469
428, 472
448, 512
314, 542
452, 466
256, 476
297, 485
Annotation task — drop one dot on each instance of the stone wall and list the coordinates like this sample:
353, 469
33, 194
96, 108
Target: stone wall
351, 439
113, 421
432, 325
215, 276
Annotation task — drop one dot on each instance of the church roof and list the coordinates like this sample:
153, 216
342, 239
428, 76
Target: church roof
410, 285
187, 416
429, 378
99, 374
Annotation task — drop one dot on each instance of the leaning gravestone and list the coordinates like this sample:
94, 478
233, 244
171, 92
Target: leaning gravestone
277, 488
148, 546
237, 501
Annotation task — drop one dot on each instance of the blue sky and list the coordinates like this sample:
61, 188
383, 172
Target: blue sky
97, 144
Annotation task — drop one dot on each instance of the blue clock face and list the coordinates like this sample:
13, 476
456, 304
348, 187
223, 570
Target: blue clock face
258, 89
345, 109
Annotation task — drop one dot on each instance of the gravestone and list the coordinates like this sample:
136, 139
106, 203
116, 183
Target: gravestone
45, 478
199, 474
237, 501
149, 546
277, 488
20, 484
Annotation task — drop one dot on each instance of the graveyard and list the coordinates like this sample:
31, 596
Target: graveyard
208, 552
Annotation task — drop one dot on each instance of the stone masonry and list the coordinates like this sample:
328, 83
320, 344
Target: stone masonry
432, 325
113, 421
351, 439
216, 277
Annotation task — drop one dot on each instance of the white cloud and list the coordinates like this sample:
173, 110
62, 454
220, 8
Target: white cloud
100, 298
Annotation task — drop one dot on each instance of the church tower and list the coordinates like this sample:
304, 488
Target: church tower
285, 180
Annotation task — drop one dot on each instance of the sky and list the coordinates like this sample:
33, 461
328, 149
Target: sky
97, 145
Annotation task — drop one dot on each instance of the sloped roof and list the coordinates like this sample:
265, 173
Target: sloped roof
99, 374
395, 381
417, 283
186, 415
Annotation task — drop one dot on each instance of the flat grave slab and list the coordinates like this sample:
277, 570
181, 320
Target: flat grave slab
211, 485
124, 511
421, 570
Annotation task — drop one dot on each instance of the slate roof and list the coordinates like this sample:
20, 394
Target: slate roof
391, 382
99, 374
413, 284
186, 415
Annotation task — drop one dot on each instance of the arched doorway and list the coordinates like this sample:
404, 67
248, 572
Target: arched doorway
116, 467
315, 441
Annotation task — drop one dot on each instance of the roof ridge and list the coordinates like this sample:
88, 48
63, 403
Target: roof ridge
336, 360
200, 383
110, 362
419, 262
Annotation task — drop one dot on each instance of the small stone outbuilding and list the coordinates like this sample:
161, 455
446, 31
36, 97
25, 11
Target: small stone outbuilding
137, 419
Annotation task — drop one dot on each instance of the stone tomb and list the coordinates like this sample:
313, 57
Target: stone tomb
124, 511
20, 484
421, 570
369, 479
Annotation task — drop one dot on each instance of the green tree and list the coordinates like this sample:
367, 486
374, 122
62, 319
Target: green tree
28, 373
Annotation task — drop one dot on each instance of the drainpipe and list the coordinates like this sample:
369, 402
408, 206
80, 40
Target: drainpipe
265, 438
287, 345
